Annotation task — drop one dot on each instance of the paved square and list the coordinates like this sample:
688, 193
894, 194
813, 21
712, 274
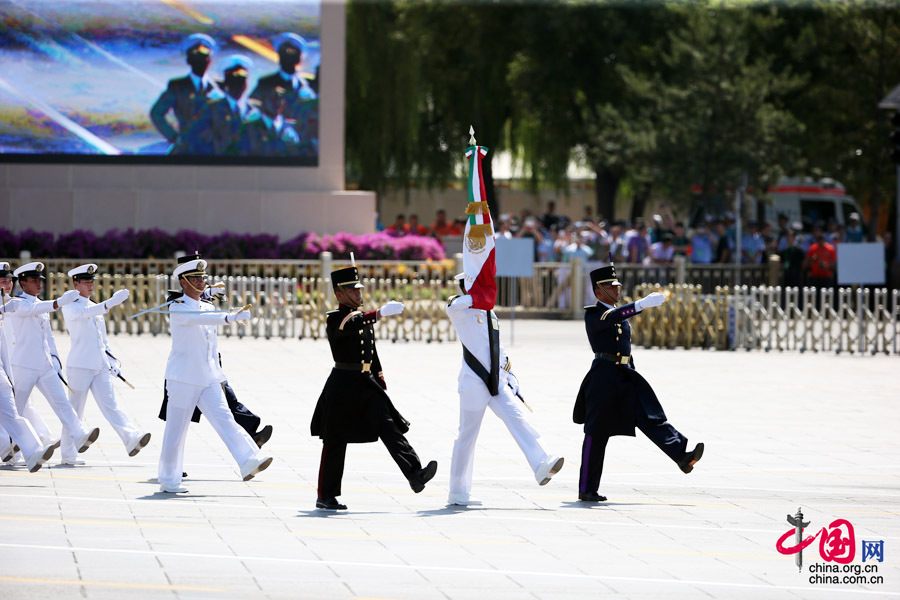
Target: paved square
782, 431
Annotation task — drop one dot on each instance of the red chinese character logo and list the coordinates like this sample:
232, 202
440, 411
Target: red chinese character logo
834, 544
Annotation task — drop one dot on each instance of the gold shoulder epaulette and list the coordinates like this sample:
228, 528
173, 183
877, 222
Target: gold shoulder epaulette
606, 314
347, 318
452, 298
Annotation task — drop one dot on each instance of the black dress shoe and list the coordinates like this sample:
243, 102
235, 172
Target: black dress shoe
686, 464
183, 474
263, 435
591, 497
330, 504
417, 482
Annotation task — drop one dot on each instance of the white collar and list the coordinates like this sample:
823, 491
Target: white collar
28, 296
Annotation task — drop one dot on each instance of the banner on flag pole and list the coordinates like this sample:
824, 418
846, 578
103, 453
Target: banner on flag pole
479, 259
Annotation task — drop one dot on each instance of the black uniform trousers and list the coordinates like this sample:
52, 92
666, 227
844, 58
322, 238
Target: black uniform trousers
593, 450
242, 415
331, 466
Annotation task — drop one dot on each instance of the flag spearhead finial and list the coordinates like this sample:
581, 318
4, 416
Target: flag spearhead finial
471, 135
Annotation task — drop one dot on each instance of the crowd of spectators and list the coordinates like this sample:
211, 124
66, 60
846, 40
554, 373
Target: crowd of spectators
806, 255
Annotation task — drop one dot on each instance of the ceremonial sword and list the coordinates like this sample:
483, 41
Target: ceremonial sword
119, 375
58, 374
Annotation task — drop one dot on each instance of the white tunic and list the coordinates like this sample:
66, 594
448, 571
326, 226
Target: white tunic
34, 343
472, 328
87, 328
194, 358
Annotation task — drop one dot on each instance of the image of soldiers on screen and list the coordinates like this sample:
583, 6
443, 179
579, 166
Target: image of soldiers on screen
301, 103
227, 111
186, 98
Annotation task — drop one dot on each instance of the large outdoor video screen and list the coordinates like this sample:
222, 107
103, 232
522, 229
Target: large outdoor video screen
160, 81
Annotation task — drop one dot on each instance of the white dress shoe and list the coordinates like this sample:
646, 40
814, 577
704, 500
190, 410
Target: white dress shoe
6, 452
460, 500
172, 489
135, 445
36, 460
72, 462
55, 443
548, 469
254, 465
85, 441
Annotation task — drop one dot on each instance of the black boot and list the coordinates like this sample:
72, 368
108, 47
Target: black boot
422, 476
686, 464
330, 504
591, 497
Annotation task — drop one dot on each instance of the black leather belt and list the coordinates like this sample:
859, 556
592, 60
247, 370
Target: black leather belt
363, 367
620, 360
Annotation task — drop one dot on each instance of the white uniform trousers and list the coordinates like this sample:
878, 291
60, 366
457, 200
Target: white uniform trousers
51, 387
183, 397
15, 426
99, 383
473, 399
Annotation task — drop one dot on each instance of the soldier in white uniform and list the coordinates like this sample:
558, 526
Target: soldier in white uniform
91, 364
15, 431
194, 380
35, 359
486, 380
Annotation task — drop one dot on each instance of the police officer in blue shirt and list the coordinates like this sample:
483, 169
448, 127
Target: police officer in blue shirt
186, 97
614, 398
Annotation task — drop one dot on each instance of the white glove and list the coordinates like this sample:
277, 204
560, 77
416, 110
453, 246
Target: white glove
392, 307
68, 298
650, 300
215, 290
237, 317
9, 304
114, 370
118, 298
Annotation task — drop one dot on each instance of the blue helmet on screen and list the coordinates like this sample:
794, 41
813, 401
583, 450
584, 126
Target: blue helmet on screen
289, 38
199, 39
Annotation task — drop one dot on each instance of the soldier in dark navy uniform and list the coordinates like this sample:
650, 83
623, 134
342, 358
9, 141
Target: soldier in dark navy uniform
268, 133
614, 398
186, 97
228, 112
301, 108
353, 407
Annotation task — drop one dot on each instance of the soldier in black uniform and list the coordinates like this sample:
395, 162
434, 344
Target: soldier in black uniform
353, 407
186, 97
614, 398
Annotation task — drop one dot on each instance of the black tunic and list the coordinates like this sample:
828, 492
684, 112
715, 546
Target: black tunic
611, 395
353, 404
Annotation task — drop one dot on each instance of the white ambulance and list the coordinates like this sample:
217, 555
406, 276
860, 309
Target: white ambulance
810, 201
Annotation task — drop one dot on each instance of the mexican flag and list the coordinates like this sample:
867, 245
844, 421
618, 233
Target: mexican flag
479, 260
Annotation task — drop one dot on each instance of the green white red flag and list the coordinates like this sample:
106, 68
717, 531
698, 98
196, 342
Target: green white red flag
479, 261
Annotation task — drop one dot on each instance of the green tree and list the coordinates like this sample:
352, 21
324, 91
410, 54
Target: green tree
383, 94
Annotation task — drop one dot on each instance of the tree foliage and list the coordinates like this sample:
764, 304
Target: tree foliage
664, 96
